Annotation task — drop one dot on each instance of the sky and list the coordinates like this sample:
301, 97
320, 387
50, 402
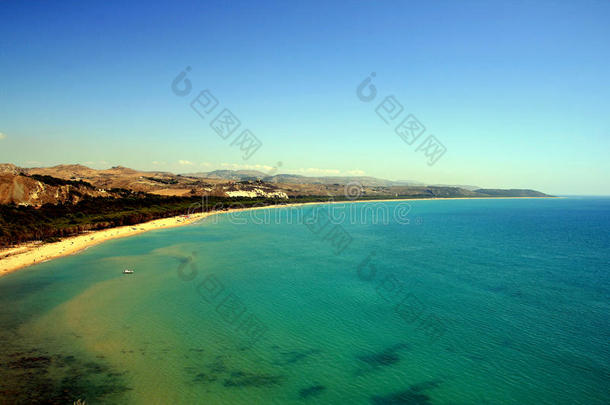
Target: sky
517, 93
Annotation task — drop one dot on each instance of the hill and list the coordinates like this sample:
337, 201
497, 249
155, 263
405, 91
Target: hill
70, 183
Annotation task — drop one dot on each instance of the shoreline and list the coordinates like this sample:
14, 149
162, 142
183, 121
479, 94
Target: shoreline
31, 253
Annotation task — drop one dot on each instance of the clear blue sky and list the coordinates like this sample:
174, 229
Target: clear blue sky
518, 92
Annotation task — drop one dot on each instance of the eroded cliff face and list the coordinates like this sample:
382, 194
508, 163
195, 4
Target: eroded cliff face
23, 190
9, 168
25, 186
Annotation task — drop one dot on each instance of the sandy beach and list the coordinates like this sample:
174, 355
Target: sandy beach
37, 252
31, 253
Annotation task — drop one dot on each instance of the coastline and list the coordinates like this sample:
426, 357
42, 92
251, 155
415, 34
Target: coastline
31, 253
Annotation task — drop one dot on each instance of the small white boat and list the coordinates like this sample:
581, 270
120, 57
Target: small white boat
127, 271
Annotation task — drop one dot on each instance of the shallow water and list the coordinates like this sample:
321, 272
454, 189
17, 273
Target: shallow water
471, 302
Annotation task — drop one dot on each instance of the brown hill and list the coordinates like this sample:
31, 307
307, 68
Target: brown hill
9, 168
28, 186
161, 183
38, 190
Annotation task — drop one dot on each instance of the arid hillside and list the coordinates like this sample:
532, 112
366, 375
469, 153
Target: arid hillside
18, 187
69, 183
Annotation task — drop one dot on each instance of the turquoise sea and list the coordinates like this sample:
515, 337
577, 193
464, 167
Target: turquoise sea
444, 302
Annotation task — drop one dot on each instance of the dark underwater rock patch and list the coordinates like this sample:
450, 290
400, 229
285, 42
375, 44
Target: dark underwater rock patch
248, 379
312, 391
384, 358
218, 366
414, 395
294, 356
203, 378
219, 372
26, 362
35, 376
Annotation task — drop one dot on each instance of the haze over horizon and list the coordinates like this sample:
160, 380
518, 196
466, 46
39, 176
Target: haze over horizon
515, 108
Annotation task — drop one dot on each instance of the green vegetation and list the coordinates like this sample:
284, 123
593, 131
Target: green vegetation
510, 193
54, 181
49, 222
162, 181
